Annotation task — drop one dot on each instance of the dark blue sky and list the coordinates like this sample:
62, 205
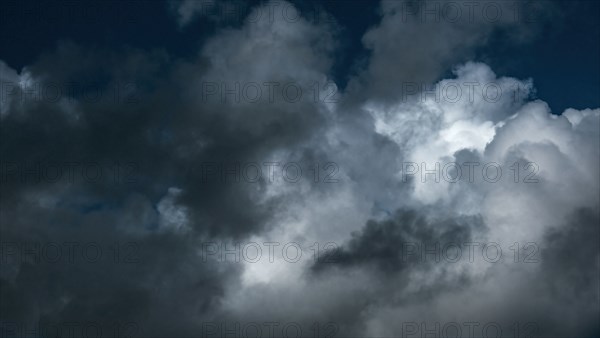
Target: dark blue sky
563, 60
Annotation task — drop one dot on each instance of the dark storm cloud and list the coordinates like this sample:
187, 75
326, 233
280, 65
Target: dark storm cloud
557, 294
148, 119
570, 265
152, 285
568, 251
144, 117
399, 243
393, 253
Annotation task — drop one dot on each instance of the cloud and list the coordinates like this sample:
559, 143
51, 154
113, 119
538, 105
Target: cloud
418, 41
388, 245
135, 116
167, 134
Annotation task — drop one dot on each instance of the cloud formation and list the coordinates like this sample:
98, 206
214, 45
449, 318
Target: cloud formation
144, 157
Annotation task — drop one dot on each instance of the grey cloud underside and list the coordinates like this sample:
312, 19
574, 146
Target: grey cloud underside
385, 245
558, 299
169, 290
160, 133
365, 287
